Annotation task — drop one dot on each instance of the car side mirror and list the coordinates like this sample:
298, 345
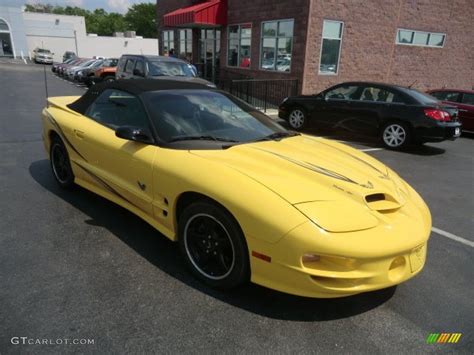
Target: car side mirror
136, 134
138, 72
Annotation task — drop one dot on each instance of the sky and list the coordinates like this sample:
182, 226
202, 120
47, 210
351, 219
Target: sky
120, 6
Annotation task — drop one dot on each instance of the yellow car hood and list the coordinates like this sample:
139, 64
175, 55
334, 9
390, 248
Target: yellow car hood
304, 170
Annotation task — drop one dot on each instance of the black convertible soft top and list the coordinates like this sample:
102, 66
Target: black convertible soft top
136, 87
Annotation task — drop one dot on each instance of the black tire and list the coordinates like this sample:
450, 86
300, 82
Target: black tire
395, 135
213, 245
60, 164
109, 79
297, 118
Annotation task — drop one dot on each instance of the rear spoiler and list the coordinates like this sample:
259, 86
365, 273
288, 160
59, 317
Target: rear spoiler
62, 102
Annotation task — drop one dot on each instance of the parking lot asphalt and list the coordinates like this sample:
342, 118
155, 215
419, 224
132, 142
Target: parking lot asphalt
75, 266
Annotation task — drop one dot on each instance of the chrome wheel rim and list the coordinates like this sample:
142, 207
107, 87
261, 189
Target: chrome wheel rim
296, 119
60, 163
209, 246
394, 135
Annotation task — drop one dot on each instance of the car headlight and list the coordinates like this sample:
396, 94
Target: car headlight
79, 72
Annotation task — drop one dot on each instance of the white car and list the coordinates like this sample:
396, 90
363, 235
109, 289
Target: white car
44, 56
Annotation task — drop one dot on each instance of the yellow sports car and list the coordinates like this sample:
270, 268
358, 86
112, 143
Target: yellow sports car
245, 198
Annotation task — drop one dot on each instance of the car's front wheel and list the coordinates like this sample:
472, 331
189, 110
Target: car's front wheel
213, 245
109, 79
297, 119
60, 164
395, 135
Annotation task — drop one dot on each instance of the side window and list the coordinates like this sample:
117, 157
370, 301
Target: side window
115, 108
446, 96
140, 67
129, 66
378, 95
121, 64
344, 93
468, 99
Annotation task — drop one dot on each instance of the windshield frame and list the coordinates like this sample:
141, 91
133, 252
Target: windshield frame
208, 144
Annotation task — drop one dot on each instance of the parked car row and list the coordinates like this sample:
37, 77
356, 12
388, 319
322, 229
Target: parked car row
398, 116
86, 70
91, 71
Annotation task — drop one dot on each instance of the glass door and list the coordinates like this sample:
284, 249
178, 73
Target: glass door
209, 54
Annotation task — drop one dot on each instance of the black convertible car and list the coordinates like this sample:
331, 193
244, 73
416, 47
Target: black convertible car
397, 115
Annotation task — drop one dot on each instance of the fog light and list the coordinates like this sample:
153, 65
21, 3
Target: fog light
311, 258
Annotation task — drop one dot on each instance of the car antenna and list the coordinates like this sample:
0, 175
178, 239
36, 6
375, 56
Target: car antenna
413, 83
45, 79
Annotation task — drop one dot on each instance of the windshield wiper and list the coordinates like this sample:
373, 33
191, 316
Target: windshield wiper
202, 137
277, 136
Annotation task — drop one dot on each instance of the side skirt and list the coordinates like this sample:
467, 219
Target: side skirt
111, 197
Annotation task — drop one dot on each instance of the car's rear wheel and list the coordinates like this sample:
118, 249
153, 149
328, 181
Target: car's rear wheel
213, 245
297, 118
60, 164
395, 135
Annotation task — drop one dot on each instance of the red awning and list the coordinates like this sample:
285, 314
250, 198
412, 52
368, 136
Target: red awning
208, 13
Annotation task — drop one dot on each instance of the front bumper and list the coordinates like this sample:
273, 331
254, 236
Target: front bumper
44, 60
283, 112
441, 131
349, 262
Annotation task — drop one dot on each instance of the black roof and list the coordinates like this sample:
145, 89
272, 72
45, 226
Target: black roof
155, 57
367, 83
136, 87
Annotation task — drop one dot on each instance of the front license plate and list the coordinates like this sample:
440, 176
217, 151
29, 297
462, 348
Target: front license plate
457, 132
417, 258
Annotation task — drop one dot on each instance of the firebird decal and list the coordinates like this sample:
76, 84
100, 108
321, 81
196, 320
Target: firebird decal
106, 185
63, 135
382, 176
320, 170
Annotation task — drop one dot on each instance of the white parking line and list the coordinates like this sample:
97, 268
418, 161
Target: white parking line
453, 237
370, 149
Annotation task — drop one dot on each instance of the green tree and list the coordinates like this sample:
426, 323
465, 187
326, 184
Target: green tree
139, 18
142, 19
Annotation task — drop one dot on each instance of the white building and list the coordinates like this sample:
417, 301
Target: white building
21, 32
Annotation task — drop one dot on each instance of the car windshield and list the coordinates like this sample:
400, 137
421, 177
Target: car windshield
208, 115
97, 64
46, 51
87, 63
110, 63
165, 68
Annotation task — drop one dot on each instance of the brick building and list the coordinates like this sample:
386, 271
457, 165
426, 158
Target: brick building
322, 42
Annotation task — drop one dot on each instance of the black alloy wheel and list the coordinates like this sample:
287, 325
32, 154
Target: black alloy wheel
213, 245
60, 164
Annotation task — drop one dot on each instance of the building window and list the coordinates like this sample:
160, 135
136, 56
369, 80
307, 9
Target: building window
239, 40
277, 44
186, 44
420, 38
168, 41
331, 47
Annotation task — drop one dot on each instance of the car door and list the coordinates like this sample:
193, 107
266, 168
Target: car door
127, 72
139, 69
122, 167
466, 111
335, 109
368, 111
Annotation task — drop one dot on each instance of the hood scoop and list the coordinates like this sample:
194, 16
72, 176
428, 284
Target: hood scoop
382, 202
